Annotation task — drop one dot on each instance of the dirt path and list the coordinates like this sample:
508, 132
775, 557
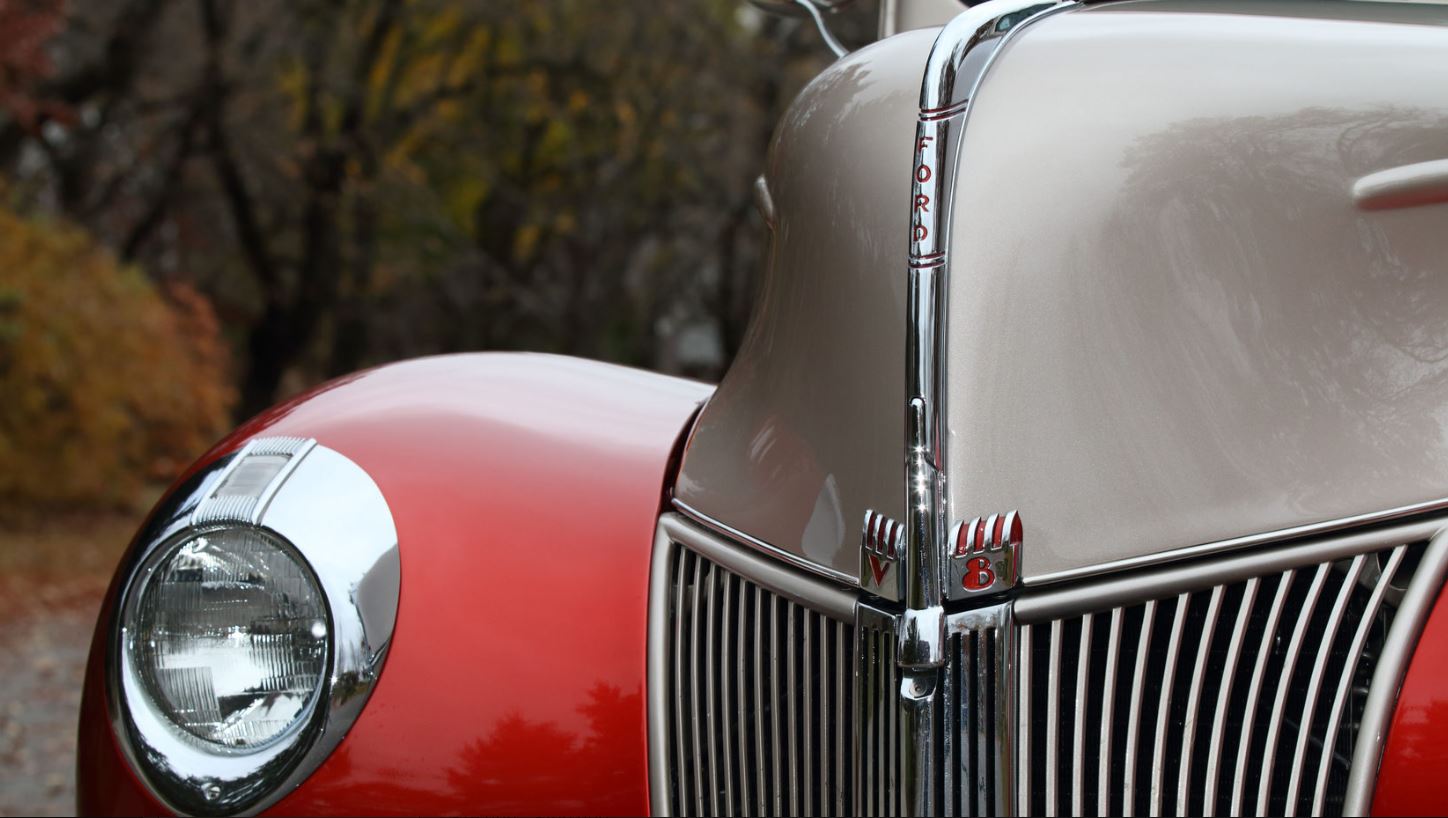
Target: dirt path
52, 578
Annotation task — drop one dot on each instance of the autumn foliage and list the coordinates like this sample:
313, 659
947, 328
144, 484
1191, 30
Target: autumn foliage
105, 382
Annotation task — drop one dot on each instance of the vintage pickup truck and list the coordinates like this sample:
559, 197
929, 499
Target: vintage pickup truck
1087, 453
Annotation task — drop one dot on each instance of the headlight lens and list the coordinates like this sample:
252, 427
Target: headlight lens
230, 636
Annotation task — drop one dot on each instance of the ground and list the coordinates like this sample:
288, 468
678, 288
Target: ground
53, 571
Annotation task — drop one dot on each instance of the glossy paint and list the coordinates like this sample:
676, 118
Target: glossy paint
525, 490
1415, 757
807, 429
1171, 323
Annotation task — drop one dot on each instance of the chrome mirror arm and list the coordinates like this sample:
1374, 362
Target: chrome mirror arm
811, 9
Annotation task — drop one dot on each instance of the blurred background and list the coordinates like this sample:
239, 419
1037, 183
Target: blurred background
207, 206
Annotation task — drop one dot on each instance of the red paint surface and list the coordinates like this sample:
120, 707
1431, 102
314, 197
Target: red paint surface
524, 489
1415, 757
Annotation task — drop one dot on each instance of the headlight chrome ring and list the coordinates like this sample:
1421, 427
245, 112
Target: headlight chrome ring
253, 622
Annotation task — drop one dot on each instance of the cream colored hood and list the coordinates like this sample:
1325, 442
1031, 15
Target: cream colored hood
1172, 324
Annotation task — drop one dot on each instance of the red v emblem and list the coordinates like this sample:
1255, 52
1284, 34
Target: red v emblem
878, 569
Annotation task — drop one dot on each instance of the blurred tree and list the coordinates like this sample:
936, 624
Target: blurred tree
105, 383
352, 181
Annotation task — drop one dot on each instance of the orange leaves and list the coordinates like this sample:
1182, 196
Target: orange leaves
104, 383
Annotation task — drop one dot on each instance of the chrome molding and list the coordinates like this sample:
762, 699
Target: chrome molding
332, 514
827, 598
959, 62
1244, 542
739, 536
1140, 586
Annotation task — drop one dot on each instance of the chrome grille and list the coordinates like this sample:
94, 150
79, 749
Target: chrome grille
877, 689
1239, 697
977, 701
760, 718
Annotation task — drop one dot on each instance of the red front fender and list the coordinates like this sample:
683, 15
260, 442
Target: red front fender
525, 489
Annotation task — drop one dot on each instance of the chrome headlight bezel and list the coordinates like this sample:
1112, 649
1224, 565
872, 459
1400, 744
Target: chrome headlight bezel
337, 525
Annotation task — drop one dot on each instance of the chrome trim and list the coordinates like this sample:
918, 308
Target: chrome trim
978, 763
1281, 535
1046, 604
1108, 712
1388, 677
1314, 683
1053, 721
1133, 719
1224, 696
331, 512
834, 602
954, 72
1284, 678
834, 45
1254, 688
1173, 651
791, 640
1194, 699
1078, 727
735, 534
1354, 652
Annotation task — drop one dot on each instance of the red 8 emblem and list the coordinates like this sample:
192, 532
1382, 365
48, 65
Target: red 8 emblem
978, 574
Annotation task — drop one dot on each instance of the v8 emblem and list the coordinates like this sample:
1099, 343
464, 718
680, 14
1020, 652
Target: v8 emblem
882, 542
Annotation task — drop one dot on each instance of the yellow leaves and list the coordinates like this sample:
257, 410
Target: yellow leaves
525, 241
105, 383
464, 195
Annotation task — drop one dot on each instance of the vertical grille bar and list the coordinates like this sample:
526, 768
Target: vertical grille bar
1254, 693
1173, 649
761, 708
1053, 696
700, 708
726, 730
1133, 720
1108, 720
983, 706
682, 728
1224, 695
1354, 653
741, 709
1199, 676
1026, 785
711, 685
1314, 684
776, 704
1279, 710
1078, 729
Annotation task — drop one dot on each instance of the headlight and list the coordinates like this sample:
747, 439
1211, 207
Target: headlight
230, 636
254, 618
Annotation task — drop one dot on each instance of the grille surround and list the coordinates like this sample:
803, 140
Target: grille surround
934, 727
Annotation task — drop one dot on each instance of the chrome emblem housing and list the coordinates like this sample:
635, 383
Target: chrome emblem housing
985, 556
882, 540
